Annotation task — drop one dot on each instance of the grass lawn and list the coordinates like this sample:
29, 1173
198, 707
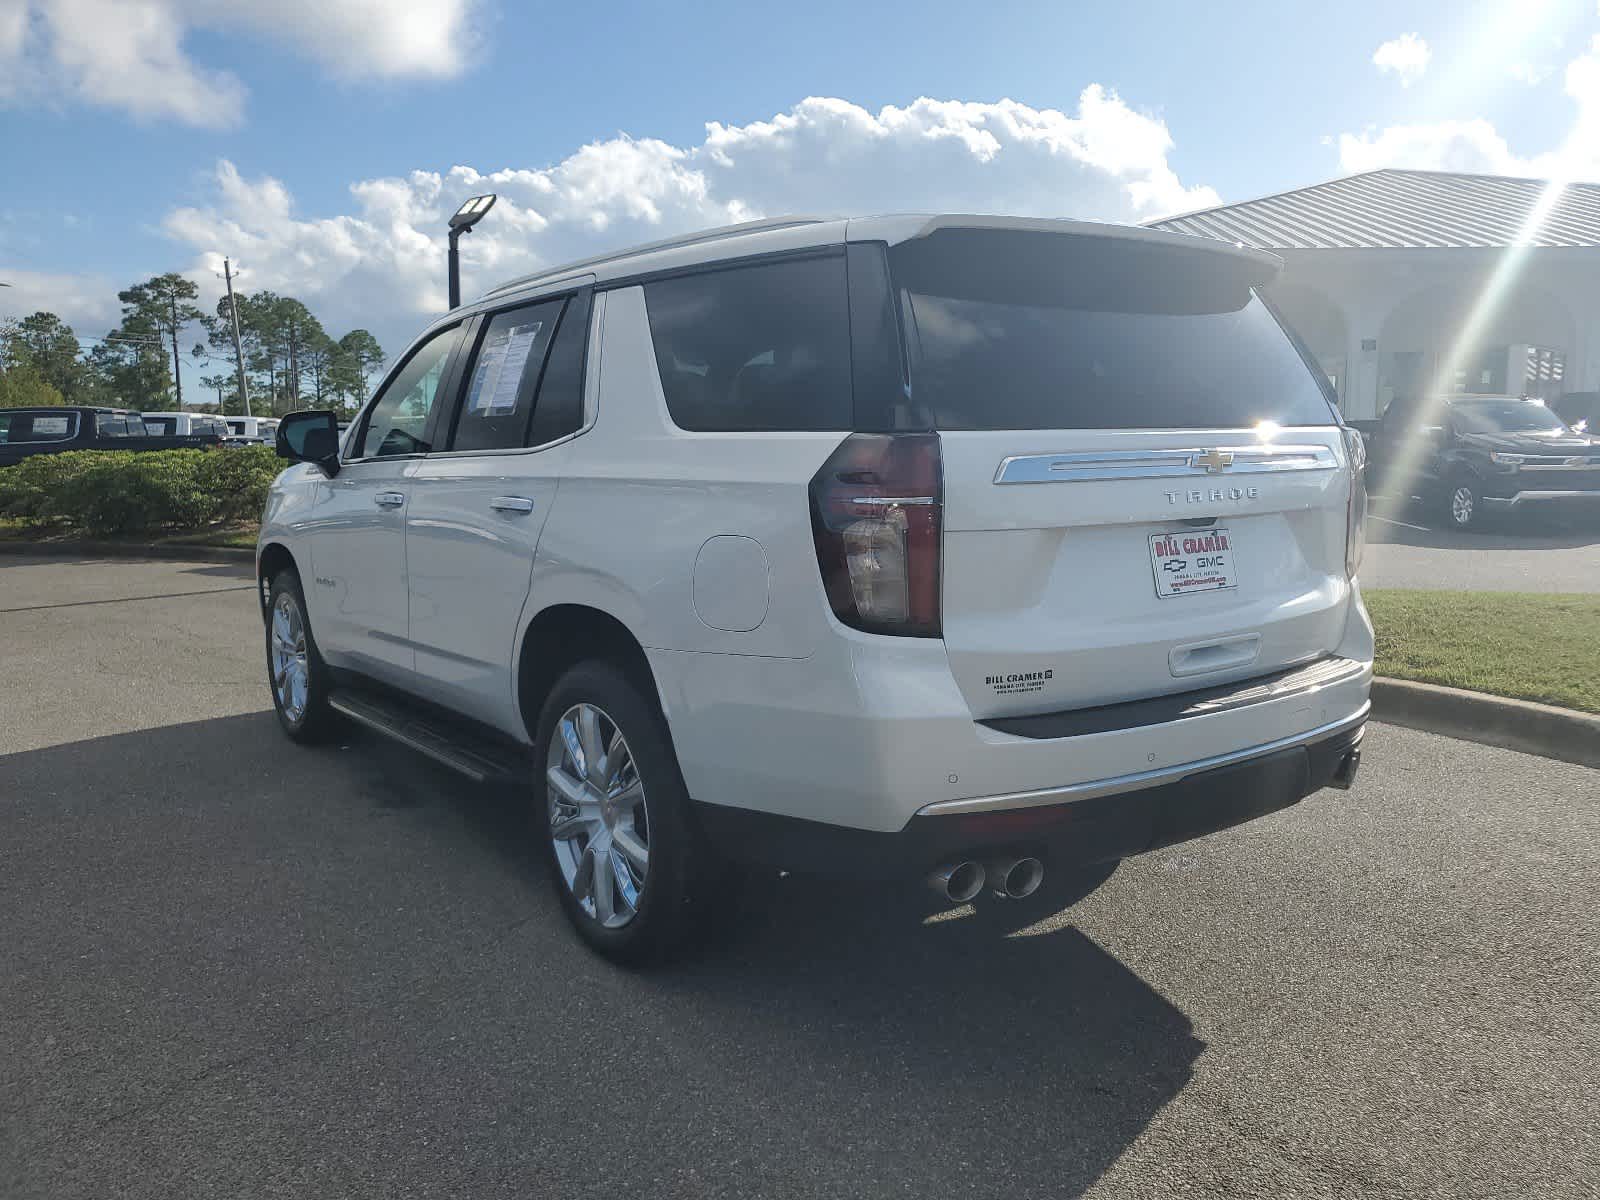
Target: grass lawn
1521, 644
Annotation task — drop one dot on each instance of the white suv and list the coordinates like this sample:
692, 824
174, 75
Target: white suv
965, 547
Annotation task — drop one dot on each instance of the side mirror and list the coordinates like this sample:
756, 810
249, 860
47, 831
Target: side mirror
312, 437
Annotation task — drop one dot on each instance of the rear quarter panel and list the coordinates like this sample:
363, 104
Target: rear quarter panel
640, 498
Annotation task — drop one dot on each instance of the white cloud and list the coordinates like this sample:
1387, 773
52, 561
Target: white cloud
1407, 56
1477, 146
86, 302
1530, 73
130, 54
382, 264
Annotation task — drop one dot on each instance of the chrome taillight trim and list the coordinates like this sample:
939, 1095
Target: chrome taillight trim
1079, 467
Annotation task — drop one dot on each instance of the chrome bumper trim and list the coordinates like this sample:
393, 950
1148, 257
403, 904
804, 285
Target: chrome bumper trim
1140, 779
1526, 497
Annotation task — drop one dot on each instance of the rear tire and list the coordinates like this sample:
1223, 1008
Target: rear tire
628, 864
296, 675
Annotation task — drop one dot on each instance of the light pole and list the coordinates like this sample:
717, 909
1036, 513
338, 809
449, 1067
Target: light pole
468, 215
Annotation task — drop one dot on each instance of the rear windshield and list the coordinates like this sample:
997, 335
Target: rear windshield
1017, 330
18, 426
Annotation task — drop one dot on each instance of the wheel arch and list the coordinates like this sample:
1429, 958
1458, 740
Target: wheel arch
273, 557
563, 635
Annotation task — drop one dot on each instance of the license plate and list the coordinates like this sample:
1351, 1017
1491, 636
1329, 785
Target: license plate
1197, 561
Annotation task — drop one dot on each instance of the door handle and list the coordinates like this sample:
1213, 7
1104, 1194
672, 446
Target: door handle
389, 499
513, 504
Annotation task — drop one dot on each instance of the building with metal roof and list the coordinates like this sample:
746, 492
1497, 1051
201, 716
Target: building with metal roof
1404, 282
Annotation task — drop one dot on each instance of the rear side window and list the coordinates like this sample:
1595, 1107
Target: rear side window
161, 426
763, 347
498, 404
1017, 330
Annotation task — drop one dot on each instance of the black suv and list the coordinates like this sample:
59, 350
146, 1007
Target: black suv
1464, 455
25, 432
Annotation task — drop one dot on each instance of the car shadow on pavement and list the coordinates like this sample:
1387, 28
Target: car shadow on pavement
1401, 525
996, 1042
204, 913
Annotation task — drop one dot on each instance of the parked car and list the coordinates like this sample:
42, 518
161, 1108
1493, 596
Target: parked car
186, 424
957, 548
25, 432
1467, 455
251, 429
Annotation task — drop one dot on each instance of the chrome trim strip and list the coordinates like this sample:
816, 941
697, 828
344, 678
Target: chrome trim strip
1520, 497
1578, 462
1140, 779
885, 501
1076, 467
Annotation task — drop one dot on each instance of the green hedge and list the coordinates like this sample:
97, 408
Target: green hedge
107, 492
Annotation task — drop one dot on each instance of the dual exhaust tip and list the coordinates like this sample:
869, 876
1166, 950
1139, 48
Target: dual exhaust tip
1008, 878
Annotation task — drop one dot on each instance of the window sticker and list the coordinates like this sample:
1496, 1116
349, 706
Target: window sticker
44, 427
500, 367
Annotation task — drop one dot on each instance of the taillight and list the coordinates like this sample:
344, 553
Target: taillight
1355, 533
876, 515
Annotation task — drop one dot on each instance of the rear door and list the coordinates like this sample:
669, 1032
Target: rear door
477, 507
1143, 481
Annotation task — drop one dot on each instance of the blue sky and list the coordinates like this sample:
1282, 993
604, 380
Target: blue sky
242, 128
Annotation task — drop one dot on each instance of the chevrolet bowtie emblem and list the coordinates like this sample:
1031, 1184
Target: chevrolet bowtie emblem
1214, 461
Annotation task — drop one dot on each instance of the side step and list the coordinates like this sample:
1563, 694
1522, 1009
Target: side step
480, 758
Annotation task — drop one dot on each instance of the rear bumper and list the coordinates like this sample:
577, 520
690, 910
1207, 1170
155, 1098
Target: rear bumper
1558, 496
1069, 826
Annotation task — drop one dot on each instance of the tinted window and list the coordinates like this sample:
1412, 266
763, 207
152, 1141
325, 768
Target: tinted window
764, 347
116, 425
37, 427
560, 408
498, 403
1016, 330
399, 419
161, 426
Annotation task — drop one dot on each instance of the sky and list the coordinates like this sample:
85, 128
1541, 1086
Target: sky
322, 144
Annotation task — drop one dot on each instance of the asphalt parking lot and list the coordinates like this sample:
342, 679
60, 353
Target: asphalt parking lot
233, 967
1521, 552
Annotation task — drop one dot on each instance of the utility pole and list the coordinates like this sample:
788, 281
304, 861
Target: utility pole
177, 367
238, 348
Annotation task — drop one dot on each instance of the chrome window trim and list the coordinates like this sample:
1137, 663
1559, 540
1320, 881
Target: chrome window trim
1079, 467
1140, 779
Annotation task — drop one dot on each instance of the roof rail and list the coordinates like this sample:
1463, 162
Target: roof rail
688, 239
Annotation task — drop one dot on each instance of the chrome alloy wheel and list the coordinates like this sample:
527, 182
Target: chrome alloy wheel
599, 825
291, 673
1461, 505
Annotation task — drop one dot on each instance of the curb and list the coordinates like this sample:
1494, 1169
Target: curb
234, 554
1541, 729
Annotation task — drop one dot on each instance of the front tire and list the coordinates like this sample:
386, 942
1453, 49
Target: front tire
296, 674
1463, 507
613, 816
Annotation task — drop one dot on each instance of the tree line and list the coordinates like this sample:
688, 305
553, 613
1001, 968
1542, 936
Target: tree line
290, 361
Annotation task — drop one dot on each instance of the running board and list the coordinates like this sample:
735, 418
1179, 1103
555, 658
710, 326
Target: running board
471, 754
